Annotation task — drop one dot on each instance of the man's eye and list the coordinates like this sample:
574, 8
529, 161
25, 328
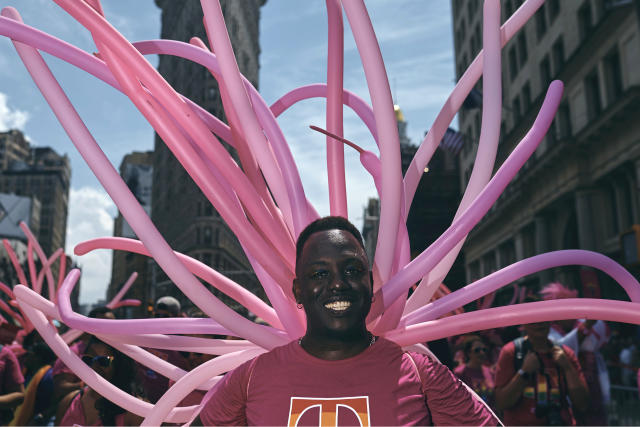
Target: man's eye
353, 271
320, 274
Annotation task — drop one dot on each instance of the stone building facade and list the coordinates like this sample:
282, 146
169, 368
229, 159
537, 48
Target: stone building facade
42, 173
579, 190
136, 169
179, 209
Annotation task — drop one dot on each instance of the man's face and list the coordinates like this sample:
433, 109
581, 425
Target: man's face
537, 330
333, 283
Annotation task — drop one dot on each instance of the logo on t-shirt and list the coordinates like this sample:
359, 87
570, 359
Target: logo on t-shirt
329, 408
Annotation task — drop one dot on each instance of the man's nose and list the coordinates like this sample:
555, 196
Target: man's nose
338, 283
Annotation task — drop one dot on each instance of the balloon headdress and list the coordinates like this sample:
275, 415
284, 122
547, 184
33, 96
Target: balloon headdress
263, 201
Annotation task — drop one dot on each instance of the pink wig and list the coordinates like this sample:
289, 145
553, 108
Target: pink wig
557, 290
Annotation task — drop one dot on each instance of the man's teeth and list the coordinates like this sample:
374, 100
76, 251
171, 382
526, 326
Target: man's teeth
338, 305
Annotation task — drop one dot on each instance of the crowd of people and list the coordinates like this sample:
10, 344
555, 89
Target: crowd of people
537, 374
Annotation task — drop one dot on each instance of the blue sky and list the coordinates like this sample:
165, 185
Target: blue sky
416, 42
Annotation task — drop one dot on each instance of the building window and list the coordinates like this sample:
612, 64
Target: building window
513, 63
463, 29
613, 75
489, 263
564, 121
592, 90
474, 271
198, 240
206, 258
584, 20
554, 9
541, 22
517, 112
522, 48
545, 72
207, 236
526, 96
557, 51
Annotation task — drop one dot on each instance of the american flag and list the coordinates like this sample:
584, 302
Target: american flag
452, 141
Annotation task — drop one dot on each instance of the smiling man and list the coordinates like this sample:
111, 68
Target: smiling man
338, 373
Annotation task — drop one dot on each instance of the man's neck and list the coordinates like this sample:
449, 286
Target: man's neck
336, 348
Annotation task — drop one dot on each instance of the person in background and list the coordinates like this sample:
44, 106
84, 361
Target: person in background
153, 383
538, 382
585, 338
11, 384
475, 372
85, 407
64, 380
37, 407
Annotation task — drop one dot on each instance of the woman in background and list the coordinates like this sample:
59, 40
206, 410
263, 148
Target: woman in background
85, 406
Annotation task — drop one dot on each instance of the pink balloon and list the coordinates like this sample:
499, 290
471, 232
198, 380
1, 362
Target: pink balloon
206, 273
116, 299
515, 271
28, 299
387, 130
544, 311
335, 150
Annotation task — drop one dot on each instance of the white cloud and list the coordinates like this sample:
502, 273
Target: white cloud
11, 118
91, 213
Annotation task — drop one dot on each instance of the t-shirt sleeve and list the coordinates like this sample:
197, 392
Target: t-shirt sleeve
12, 374
505, 367
449, 401
225, 403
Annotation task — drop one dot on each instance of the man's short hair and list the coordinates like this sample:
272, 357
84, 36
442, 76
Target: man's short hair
170, 304
324, 224
100, 311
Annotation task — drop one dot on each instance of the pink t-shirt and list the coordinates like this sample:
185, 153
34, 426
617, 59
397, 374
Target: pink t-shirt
74, 416
379, 386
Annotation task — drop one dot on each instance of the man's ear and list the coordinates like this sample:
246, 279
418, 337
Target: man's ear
296, 290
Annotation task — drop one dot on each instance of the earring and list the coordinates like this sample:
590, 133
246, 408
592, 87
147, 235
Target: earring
299, 306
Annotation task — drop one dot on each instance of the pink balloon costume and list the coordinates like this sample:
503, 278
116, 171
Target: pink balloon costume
265, 205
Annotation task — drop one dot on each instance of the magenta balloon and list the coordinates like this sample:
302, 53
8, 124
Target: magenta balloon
123, 290
133, 212
427, 259
46, 270
518, 314
487, 146
206, 273
335, 149
127, 303
14, 261
36, 245
523, 268
214, 23
32, 267
183, 343
89, 376
319, 90
142, 326
457, 97
130, 59
189, 382
387, 128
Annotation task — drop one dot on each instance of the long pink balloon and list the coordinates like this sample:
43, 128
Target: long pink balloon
427, 259
523, 268
487, 146
518, 314
189, 382
116, 299
206, 273
49, 333
43, 259
133, 212
335, 150
387, 131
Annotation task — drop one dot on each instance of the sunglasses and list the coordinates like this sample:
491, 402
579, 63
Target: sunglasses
480, 350
104, 361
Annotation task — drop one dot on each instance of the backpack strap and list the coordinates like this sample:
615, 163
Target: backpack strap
520, 353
